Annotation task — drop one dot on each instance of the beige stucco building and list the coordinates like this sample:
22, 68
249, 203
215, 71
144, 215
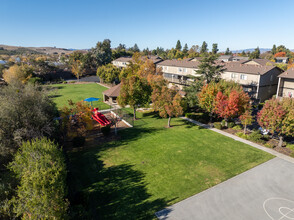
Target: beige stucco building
286, 84
122, 62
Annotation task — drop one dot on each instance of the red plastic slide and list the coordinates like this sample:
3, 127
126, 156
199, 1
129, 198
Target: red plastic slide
100, 118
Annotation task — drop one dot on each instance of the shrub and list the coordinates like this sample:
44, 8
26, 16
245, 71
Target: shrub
256, 136
290, 146
237, 127
105, 130
269, 145
201, 117
242, 135
231, 124
40, 167
223, 122
35, 80
78, 141
218, 125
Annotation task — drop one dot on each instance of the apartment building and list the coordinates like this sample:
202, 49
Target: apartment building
286, 84
122, 62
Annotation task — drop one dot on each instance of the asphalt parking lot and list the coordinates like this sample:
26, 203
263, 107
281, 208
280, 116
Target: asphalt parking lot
265, 192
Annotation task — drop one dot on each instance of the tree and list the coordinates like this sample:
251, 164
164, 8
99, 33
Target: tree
102, 52
277, 116
243, 54
255, 54
280, 54
26, 112
108, 73
20, 73
246, 119
167, 102
185, 50
274, 50
192, 92
77, 69
40, 167
208, 68
214, 48
228, 52
231, 104
135, 48
179, 46
204, 48
135, 91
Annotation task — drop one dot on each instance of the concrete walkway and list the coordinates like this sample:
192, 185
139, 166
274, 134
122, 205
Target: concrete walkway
268, 150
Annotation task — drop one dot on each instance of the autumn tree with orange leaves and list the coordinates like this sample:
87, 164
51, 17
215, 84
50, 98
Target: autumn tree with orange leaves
167, 102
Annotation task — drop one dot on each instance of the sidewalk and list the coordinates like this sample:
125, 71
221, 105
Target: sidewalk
268, 150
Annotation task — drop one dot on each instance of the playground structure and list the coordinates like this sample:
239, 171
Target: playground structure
100, 118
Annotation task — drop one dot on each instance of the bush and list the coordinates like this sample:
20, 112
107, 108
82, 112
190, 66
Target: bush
40, 167
256, 136
231, 124
201, 117
269, 145
35, 80
218, 125
105, 130
78, 141
242, 135
237, 127
223, 122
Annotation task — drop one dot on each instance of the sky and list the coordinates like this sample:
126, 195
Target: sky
81, 24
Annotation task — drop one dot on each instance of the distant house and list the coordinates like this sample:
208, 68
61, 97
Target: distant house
286, 84
239, 58
110, 95
3, 62
281, 59
258, 77
122, 62
226, 58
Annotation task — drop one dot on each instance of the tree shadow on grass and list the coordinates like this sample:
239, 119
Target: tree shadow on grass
116, 192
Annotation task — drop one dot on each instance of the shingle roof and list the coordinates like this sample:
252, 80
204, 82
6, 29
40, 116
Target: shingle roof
113, 91
180, 63
155, 59
225, 56
262, 62
248, 68
288, 74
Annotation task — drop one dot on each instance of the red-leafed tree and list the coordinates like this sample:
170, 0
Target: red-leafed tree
167, 102
277, 116
280, 54
231, 105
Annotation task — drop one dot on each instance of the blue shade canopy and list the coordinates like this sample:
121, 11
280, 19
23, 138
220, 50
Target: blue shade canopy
91, 99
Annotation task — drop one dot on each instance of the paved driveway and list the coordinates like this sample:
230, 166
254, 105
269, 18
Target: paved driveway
265, 192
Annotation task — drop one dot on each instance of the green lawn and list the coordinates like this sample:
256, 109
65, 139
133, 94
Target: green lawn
152, 167
78, 92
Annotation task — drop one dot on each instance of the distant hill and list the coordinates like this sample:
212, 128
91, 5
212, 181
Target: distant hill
262, 50
18, 50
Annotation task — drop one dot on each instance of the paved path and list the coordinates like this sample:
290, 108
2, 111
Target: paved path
265, 192
268, 150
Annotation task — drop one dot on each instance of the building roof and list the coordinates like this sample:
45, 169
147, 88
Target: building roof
155, 59
241, 58
288, 74
113, 91
262, 62
180, 63
248, 68
282, 58
225, 57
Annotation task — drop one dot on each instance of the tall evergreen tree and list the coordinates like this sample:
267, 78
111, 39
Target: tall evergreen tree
185, 50
228, 52
204, 48
135, 48
178, 46
274, 50
243, 54
255, 54
214, 48
208, 69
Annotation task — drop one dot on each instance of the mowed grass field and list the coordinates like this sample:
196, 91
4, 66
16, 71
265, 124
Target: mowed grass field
151, 167
78, 92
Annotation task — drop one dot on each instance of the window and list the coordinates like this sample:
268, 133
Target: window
234, 75
184, 70
180, 69
272, 77
243, 77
